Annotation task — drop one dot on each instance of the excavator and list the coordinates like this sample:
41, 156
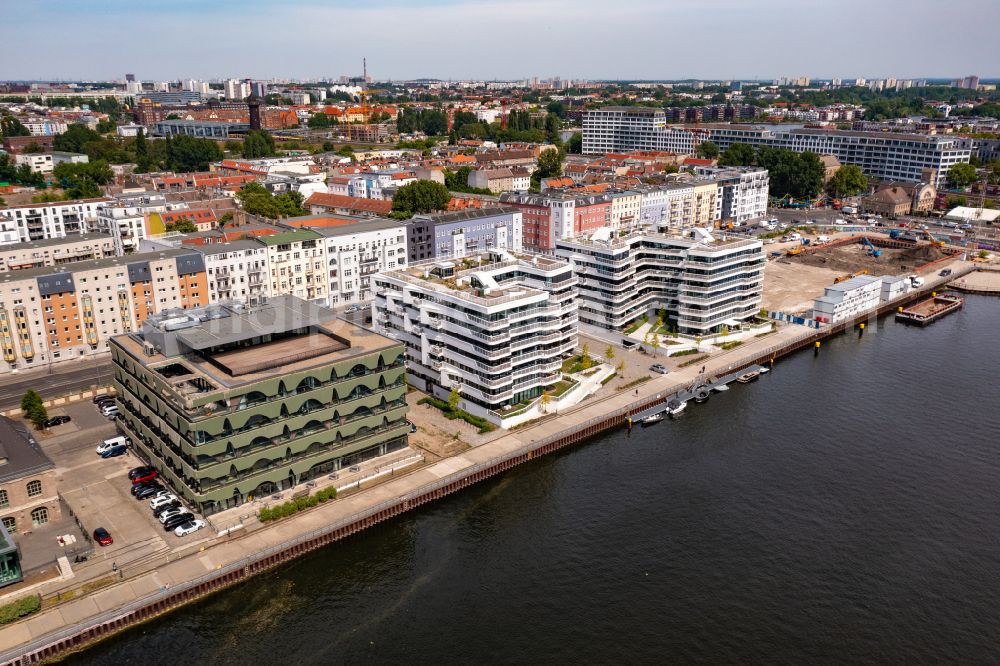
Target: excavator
933, 241
843, 278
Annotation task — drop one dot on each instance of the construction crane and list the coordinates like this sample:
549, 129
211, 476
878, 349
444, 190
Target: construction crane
933, 240
363, 94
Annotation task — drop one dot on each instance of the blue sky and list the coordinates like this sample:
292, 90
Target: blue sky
505, 39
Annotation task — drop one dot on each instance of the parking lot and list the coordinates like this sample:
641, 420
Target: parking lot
97, 489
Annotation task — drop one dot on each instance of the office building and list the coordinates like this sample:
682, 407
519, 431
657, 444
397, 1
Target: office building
622, 129
234, 402
889, 156
494, 326
703, 284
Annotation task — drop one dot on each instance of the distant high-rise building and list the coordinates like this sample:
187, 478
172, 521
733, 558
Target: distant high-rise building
130, 77
236, 89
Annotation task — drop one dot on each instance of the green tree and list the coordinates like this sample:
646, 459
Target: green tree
545, 400
75, 138
319, 120
186, 153
609, 353
33, 149
707, 150
453, 399
258, 143
11, 126
575, 143
848, 181
106, 126
256, 200
421, 196
84, 188
345, 151
737, 154
68, 173
34, 409
183, 225
142, 161
961, 175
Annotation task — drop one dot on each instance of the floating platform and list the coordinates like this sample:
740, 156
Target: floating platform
930, 309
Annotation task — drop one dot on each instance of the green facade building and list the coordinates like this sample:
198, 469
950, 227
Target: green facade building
231, 402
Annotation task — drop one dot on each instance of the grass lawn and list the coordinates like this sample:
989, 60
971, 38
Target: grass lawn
562, 386
730, 345
573, 365
686, 352
635, 325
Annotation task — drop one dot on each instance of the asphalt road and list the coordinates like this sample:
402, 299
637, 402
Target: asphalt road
64, 378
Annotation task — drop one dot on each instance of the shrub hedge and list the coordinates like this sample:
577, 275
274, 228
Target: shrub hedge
450, 414
294, 506
15, 610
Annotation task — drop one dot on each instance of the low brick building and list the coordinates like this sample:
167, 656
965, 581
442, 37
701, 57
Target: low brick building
28, 496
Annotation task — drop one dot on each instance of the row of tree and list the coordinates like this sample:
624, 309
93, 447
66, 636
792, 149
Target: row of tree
798, 175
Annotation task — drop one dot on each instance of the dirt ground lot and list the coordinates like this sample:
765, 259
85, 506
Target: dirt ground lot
791, 287
853, 258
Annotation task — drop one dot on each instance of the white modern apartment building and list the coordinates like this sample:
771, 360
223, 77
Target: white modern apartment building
886, 155
236, 270
357, 251
703, 284
53, 220
495, 331
619, 129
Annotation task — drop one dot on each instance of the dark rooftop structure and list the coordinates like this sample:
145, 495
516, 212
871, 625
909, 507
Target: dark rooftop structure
20, 454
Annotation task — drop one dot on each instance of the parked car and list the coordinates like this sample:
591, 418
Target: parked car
945, 272
190, 527
115, 451
111, 442
102, 396
103, 537
656, 367
148, 476
177, 519
139, 471
159, 500
167, 515
413, 428
57, 420
148, 491
163, 508
136, 489
110, 411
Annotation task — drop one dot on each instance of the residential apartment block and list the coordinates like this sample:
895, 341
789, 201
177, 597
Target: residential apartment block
495, 331
297, 264
36, 222
54, 313
742, 192
55, 251
703, 284
234, 402
552, 215
622, 129
464, 232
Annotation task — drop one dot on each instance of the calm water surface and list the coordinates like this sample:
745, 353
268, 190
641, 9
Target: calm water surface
844, 508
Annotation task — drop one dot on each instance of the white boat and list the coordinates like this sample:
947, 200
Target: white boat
748, 377
764, 370
720, 388
653, 418
675, 407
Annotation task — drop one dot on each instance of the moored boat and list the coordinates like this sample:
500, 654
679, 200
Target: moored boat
748, 377
702, 395
653, 418
675, 408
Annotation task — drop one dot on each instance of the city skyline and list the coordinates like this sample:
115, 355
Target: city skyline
645, 40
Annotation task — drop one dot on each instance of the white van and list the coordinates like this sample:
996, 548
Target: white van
822, 239
795, 236
119, 440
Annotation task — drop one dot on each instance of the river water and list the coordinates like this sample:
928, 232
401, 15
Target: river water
844, 508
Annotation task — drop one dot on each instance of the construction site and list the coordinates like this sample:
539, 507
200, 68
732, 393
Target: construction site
878, 257
798, 273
